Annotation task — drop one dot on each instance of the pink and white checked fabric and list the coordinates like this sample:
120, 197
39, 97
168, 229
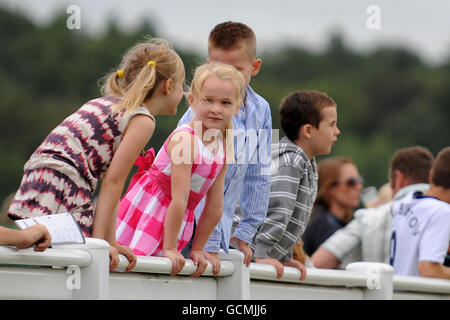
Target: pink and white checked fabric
142, 211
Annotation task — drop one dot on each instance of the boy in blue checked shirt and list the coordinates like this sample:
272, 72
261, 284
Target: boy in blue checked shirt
247, 182
309, 120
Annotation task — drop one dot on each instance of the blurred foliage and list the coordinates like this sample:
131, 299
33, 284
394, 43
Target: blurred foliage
387, 99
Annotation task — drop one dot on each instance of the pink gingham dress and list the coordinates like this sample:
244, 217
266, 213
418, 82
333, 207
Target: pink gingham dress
142, 211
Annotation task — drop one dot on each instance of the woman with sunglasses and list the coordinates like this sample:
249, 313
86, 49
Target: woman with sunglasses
338, 195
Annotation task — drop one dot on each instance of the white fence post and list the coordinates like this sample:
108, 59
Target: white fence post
94, 282
236, 286
380, 279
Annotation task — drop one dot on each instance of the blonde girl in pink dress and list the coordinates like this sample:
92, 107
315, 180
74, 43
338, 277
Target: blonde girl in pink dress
156, 216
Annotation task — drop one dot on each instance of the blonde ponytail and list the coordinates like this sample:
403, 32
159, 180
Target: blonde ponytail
138, 90
143, 67
112, 85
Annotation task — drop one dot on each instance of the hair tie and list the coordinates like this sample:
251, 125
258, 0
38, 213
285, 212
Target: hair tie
120, 73
151, 63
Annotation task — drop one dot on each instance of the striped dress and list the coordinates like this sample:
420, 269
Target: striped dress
62, 174
142, 211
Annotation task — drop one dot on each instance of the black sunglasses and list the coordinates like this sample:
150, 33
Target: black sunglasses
351, 182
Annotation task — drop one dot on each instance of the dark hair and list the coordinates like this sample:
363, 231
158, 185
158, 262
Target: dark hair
300, 108
441, 169
230, 35
414, 162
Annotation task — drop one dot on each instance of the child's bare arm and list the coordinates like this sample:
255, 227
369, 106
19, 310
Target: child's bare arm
211, 215
180, 150
124, 250
139, 131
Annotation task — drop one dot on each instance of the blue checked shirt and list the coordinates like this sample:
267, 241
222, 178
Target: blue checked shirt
247, 182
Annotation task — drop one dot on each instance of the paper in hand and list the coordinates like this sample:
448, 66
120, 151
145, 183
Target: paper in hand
62, 227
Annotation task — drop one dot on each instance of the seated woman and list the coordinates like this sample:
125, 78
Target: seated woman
338, 195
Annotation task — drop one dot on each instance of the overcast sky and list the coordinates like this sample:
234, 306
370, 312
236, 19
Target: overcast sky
422, 25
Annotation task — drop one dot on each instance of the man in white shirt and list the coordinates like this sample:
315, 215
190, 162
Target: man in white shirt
367, 236
421, 226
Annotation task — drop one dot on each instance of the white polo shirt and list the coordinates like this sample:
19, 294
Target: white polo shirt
420, 232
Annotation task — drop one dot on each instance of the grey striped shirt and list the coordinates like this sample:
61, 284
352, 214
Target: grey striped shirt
293, 190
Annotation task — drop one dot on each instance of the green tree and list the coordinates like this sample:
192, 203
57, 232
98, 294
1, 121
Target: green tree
387, 99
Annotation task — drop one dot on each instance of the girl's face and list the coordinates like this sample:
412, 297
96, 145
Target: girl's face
174, 97
216, 104
172, 92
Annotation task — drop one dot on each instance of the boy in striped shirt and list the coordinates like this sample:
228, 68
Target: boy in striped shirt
309, 120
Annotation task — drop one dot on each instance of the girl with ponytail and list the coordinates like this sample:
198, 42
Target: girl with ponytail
101, 141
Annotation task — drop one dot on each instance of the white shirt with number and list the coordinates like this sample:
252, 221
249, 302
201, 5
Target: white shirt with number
420, 232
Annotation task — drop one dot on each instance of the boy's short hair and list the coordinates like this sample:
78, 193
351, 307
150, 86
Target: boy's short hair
441, 169
303, 107
231, 35
414, 162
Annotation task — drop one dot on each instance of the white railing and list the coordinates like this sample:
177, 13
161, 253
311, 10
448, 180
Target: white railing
81, 272
63, 272
409, 288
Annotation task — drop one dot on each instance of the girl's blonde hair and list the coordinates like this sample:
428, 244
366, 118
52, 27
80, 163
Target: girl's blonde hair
224, 72
142, 69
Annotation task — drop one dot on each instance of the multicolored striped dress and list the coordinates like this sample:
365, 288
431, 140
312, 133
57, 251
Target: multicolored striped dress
62, 174
142, 211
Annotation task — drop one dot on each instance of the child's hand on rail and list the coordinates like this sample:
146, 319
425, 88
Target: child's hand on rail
177, 260
213, 257
199, 258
